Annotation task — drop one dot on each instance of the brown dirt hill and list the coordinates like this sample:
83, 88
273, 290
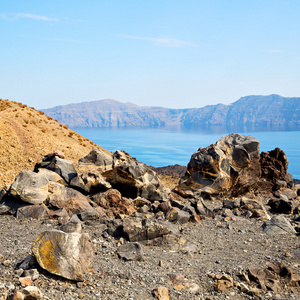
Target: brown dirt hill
26, 135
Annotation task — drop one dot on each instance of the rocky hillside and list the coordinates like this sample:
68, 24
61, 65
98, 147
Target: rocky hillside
106, 227
27, 134
251, 111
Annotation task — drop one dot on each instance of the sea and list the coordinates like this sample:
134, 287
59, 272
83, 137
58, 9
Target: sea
168, 146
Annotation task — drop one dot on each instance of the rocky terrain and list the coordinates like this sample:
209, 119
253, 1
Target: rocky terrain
250, 112
106, 226
27, 134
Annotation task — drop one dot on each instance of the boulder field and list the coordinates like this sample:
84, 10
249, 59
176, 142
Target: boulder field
110, 212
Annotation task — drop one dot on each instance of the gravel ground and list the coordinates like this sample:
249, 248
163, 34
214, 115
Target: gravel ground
181, 264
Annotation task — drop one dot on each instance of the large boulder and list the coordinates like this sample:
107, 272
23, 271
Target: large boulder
65, 254
33, 211
134, 179
90, 180
63, 167
229, 167
98, 158
30, 187
113, 203
144, 230
278, 225
63, 197
274, 165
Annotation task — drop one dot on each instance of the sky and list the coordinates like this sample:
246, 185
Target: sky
171, 53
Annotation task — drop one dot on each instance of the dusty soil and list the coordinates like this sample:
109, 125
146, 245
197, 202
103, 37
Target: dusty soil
182, 265
26, 135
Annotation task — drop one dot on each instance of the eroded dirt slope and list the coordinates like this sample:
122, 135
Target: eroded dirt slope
26, 135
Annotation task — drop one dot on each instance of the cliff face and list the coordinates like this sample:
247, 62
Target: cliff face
252, 111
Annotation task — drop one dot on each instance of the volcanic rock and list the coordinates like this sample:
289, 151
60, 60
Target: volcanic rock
65, 254
63, 197
51, 176
90, 180
33, 211
278, 225
145, 230
64, 168
274, 165
130, 252
134, 179
97, 157
161, 293
229, 167
281, 206
113, 202
30, 187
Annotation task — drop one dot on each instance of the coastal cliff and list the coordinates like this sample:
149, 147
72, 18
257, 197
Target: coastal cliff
272, 111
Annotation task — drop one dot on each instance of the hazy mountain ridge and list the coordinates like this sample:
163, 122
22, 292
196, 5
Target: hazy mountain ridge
251, 111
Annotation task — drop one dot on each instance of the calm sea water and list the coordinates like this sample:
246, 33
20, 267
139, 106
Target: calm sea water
169, 146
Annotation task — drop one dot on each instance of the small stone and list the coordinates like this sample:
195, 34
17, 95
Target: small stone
32, 293
161, 264
6, 262
287, 254
130, 252
194, 288
17, 296
33, 274
25, 281
161, 293
223, 285
81, 296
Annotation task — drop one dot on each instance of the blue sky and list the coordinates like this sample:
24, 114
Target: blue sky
161, 52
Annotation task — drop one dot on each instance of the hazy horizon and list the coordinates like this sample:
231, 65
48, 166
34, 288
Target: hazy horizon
175, 54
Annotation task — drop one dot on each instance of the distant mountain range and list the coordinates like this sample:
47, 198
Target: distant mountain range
271, 111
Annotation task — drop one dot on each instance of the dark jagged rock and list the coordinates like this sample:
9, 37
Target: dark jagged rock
97, 157
130, 252
281, 206
134, 179
90, 180
229, 167
278, 225
33, 211
274, 165
63, 197
64, 168
113, 202
144, 230
51, 176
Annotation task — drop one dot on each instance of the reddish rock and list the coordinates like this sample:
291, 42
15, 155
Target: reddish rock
63, 197
50, 156
274, 165
25, 281
113, 203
